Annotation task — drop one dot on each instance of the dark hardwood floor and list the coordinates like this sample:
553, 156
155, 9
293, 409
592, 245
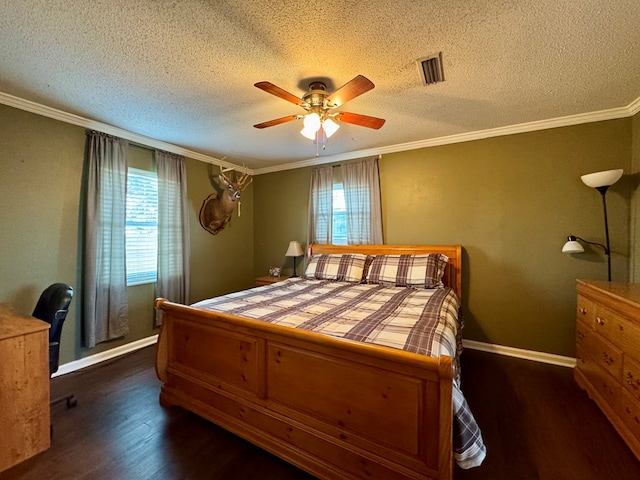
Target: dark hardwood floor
537, 424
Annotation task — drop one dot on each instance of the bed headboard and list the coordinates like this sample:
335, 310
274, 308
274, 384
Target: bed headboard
452, 274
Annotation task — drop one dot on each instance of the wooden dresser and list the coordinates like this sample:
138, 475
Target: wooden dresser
608, 353
24, 387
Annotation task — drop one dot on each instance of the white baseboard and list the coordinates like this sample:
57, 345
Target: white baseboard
521, 353
470, 344
106, 355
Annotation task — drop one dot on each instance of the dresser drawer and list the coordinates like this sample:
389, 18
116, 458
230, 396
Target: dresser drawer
586, 310
607, 387
618, 330
583, 332
604, 354
582, 359
631, 377
629, 413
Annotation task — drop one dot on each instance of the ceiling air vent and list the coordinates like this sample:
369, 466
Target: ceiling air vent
431, 69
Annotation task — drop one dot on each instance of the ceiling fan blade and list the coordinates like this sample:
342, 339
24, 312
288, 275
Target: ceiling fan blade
349, 91
279, 92
362, 120
277, 121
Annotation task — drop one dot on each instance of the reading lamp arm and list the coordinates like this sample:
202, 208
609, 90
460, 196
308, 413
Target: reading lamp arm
606, 250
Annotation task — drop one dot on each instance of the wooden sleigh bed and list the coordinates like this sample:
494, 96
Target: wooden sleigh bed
338, 409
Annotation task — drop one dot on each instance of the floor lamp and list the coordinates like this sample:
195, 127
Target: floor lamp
601, 181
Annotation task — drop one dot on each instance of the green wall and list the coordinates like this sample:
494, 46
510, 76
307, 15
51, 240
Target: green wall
220, 263
41, 162
40, 174
510, 202
280, 205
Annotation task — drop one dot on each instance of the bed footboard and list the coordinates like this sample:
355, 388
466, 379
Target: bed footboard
335, 408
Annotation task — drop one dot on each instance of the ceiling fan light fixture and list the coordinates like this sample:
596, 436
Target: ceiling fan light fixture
309, 133
330, 127
312, 121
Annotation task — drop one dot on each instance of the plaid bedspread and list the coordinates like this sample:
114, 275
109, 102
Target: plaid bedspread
423, 321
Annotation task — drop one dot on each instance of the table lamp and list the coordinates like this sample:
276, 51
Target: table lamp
294, 250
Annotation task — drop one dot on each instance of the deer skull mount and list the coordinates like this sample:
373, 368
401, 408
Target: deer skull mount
216, 210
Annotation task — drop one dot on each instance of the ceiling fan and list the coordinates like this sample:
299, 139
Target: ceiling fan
320, 118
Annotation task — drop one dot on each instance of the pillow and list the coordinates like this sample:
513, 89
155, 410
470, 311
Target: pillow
342, 267
419, 271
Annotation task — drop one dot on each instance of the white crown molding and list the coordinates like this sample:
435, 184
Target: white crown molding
567, 121
611, 114
62, 116
541, 357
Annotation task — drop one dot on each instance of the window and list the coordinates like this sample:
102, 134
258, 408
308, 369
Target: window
338, 216
344, 204
141, 228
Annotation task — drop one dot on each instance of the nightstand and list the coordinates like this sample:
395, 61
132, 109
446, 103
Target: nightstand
268, 280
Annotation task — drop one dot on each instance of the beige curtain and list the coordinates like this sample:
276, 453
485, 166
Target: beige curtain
320, 206
361, 185
104, 293
173, 229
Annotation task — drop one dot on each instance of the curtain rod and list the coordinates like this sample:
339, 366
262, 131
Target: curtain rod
359, 159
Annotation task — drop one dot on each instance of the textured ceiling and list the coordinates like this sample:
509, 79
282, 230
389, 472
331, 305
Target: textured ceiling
183, 71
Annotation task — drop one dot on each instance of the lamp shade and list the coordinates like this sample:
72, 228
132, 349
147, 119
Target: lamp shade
312, 122
294, 250
309, 133
572, 246
602, 179
330, 127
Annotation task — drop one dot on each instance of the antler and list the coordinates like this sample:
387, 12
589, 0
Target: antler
242, 181
223, 178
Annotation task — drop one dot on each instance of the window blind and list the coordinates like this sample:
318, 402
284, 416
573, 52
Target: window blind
339, 216
141, 226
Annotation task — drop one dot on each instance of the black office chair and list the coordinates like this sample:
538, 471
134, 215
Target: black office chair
52, 307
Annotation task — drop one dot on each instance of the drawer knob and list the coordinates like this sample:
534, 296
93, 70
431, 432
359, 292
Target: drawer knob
580, 334
582, 310
599, 321
634, 383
